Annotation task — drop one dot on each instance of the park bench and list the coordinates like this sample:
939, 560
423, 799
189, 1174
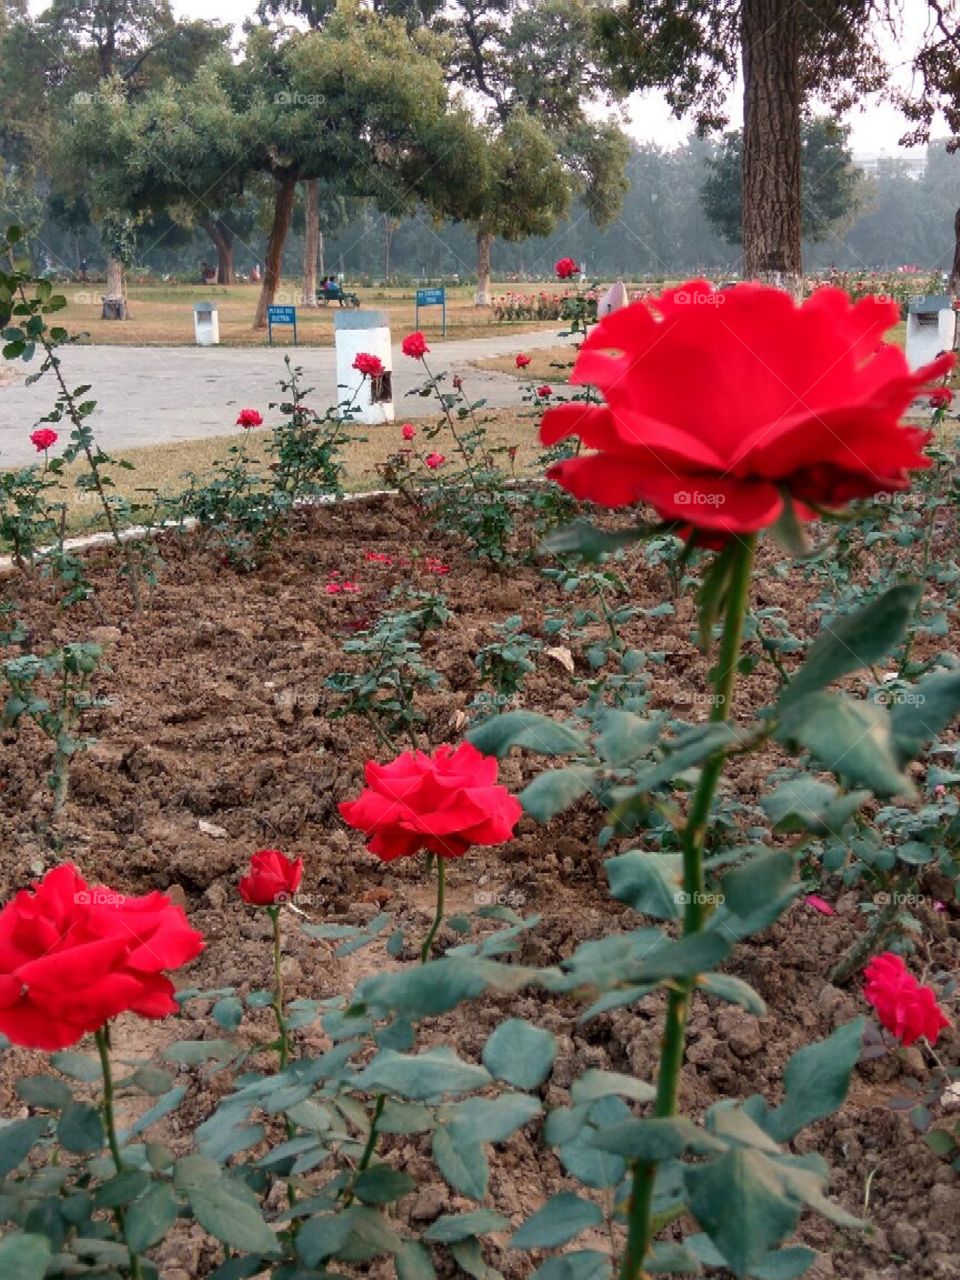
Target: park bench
334, 293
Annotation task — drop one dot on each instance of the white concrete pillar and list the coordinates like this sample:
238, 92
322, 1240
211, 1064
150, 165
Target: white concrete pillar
356, 332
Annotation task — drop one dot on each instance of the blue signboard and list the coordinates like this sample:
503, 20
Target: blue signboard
281, 315
432, 298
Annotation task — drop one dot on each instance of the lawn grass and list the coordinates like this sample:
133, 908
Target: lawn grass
547, 364
162, 315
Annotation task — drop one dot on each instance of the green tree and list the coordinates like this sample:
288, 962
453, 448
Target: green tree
830, 183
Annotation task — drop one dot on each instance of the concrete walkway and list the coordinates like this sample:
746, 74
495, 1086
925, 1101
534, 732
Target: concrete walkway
153, 395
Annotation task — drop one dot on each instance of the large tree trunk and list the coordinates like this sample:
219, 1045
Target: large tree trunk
389, 227
223, 241
282, 213
311, 242
484, 246
772, 230
114, 301
955, 269
321, 267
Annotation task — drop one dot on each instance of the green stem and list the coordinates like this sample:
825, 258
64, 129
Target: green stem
640, 1225
438, 918
102, 1038
284, 1044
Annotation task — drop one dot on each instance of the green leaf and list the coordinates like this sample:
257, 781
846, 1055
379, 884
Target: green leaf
587, 1264
854, 641
463, 1165
734, 990
423, 991
816, 1081
461, 1226
648, 882
490, 1119
671, 1259
625, 738
122, 1188
468, 1257
222, 1208
24, 1256
851, 738
405, 1117
228, 1013
193, 1053
756, 893
585, 540
18, 1139
656, 1139
150, 1218
529, 730
78, 1066
323, 1235
557, 789
561, 1218
412, 1262
595, 1084
152, 1080
423, 1075
923, 714
44, 1091
739, 1201
381, 1185
785, 1264
520, 1053
80, 1128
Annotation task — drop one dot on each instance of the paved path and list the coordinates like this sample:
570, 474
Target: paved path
151, 395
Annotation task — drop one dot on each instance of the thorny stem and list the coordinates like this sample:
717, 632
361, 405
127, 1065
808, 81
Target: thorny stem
284, 1041
102, 1038
640, 1226
438, 917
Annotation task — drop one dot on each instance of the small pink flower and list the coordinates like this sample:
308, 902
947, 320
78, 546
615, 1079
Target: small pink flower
43, 438
408, 431
434, 460
819, 904
249, 418
940, 789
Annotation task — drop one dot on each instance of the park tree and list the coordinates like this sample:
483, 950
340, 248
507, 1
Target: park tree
788, 54
830, 183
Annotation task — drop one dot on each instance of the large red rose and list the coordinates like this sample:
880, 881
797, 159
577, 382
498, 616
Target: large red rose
443, 803
718, 404
903, 1006
73, 955
272, 878
415, 345
370, 366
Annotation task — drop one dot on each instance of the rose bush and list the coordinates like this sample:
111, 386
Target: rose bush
74, 955
795, 403
442, 803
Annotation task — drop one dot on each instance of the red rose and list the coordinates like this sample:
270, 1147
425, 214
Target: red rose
74, 955
370, 365
940, 397
44, 438
415, 345
544, 392
522, 361
718, 404
434, 460
903, 1006
566, 268
272, 878
408, 431
443, 803
249, 418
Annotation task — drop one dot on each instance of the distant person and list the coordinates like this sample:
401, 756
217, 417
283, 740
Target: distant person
83, 270
255, 276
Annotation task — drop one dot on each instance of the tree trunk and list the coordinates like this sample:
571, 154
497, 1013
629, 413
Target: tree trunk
484, 246
389, 227
223, 241
311, 242
321, 267
955, 269
282, 213
114, 301
772, 229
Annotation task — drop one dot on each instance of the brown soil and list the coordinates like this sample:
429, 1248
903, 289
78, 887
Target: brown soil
219, 713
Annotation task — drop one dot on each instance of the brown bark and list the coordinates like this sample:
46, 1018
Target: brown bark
114, 301
772, 229
223, 241
484, 247
389, 227
955, 269
311, 242
282, 213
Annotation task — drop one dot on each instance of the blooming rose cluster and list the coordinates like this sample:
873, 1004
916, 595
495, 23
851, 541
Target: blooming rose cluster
43, 438
799, 403
904, 1007
74, 955
442, 803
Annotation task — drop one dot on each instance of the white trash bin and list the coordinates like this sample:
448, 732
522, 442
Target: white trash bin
206, 324
931, 328
369, 332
